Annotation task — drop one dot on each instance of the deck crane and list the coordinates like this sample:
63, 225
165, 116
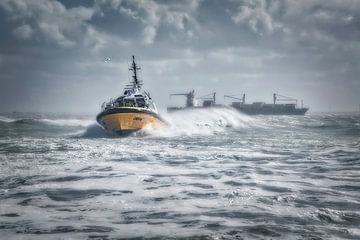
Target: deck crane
236, 97
209, 99
281, 98
190, 96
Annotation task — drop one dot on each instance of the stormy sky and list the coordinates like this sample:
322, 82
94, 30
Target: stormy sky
53, 52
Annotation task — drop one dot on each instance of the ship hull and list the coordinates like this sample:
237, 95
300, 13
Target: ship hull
251, 109
255, 111
127, 120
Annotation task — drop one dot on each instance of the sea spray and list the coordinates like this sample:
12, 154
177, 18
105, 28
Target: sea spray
199, 122
68, 122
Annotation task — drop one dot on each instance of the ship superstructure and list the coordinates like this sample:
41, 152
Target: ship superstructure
205, 101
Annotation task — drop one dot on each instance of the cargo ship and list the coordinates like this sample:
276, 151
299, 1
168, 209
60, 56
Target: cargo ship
281, 105
276, 108
132, 111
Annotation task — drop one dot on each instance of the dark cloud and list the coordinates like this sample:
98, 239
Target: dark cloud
52, 52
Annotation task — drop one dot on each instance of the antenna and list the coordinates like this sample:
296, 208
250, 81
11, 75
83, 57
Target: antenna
135, 81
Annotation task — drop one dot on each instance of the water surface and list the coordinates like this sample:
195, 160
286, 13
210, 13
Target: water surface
213, 174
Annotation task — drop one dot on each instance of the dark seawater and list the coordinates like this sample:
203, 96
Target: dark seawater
213, 174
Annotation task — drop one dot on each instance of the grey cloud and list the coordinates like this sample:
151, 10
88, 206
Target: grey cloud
255, 14
48, 21
152, 15
330, 19
23, 32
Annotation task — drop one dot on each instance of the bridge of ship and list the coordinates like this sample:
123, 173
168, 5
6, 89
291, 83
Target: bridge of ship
138, 100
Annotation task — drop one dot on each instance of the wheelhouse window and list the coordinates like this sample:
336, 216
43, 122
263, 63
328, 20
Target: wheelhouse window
129, 102
119, 102
141, 102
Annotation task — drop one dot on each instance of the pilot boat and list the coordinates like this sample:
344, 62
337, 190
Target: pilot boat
132, 111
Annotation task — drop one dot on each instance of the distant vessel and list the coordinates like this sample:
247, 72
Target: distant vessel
208, 100
255, 108
268, 109
130, 112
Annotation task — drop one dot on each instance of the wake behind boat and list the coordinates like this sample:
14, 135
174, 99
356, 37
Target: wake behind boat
132, 111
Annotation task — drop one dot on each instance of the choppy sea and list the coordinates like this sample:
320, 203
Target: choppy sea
212, 174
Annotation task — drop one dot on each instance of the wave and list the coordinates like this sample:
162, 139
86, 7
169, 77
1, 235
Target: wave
6, 119
184, 123
68, 122
199, 122
95, 131
54, 122
323, 124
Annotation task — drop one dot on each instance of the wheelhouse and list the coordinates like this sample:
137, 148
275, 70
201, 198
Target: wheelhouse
132, 97
132, 100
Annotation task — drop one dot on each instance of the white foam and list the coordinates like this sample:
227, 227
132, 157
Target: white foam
57, 122
6, 120
68, 122
199, 122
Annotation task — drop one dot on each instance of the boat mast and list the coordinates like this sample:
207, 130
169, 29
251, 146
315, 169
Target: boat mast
135, 82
